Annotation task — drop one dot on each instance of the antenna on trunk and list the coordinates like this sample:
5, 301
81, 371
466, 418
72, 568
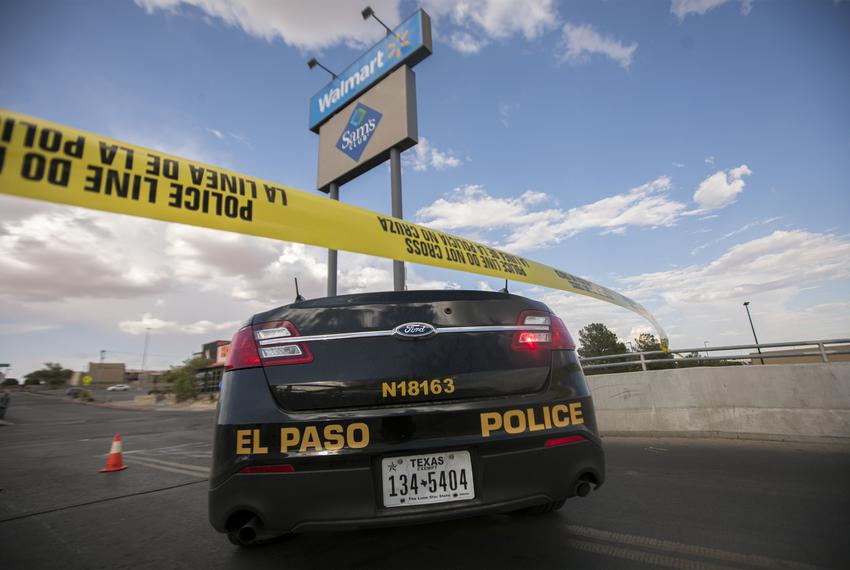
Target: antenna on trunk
298, 297
505, 290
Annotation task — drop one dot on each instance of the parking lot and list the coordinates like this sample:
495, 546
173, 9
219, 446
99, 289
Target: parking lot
679, 503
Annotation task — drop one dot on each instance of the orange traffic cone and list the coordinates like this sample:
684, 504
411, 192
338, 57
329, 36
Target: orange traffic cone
114, 461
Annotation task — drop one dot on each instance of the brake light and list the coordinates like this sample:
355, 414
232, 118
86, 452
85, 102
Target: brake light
243, 351
275, 346
563, 440
561, 337
546, 331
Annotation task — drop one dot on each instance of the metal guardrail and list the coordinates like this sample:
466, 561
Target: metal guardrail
661, 357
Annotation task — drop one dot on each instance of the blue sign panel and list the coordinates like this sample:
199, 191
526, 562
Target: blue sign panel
408, 44
358, 131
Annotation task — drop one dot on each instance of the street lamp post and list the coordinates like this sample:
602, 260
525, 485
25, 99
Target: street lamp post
144, 357
747, 307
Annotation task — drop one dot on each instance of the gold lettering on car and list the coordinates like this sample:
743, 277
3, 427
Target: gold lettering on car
331, 437
248, 442
303, 439
531, 419
414, 388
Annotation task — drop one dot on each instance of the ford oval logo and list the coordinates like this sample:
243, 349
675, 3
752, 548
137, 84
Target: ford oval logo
414, 331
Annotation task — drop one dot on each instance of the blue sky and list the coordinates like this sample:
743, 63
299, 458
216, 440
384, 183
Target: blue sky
692, 154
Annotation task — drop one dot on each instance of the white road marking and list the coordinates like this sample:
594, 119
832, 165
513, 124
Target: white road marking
724, 556
649, 558
180, 468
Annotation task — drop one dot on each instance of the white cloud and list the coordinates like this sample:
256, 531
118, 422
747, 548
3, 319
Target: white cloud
75, 253
464, 42
304, 24
683, 8
471, 207
742, 229
582, 41
241, 139
720, 189
424, 156
497, 18
148, 322
216, 133
709, 160
505, 111
466, 25
779, 261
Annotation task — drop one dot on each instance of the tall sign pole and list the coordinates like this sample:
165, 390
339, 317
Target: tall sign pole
333, 193
395, 183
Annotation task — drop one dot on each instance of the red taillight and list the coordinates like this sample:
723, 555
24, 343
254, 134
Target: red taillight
546, 331
564, 440
271, 338
561, 338
268, 469
243, 351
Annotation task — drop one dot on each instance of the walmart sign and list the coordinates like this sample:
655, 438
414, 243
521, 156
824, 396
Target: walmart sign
408, 44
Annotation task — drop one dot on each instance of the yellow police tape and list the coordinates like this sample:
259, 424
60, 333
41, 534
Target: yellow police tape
55, 163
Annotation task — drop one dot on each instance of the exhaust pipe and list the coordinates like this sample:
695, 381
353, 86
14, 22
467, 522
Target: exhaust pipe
583, 488
249, 532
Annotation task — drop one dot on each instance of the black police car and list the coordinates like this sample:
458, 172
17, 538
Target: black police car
382, 409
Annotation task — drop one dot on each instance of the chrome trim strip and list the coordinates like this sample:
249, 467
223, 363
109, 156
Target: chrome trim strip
368, 334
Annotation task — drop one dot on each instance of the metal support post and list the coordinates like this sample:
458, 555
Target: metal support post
332, 253
642, 362
395, 180
758, 346
823, 355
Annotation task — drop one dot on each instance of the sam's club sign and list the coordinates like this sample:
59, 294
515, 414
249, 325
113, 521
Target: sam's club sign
408, 44
358, 130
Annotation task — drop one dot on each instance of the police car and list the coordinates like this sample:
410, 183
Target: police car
383, 409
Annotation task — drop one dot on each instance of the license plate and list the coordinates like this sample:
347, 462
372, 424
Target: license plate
427, 479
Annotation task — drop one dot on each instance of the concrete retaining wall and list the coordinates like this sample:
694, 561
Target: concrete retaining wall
796, 401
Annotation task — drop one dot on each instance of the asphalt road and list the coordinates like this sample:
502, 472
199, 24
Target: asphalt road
674, 503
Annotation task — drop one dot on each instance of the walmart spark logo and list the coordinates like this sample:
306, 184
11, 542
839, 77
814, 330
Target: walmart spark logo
394, 48
358, 131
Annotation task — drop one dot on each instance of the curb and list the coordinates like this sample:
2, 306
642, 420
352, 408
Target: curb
777, 438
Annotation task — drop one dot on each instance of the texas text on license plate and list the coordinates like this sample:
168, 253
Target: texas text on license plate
427, 479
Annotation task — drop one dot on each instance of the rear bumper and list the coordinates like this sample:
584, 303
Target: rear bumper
350, 497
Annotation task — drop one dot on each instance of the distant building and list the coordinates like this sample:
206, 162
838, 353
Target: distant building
209, 377
148, 377
107, 372
216, 350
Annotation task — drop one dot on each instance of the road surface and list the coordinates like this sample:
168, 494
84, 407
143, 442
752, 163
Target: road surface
677, 503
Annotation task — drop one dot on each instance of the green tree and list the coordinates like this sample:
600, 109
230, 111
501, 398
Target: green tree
182, 378
598, 340
52, 374
646, 342
10, 382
